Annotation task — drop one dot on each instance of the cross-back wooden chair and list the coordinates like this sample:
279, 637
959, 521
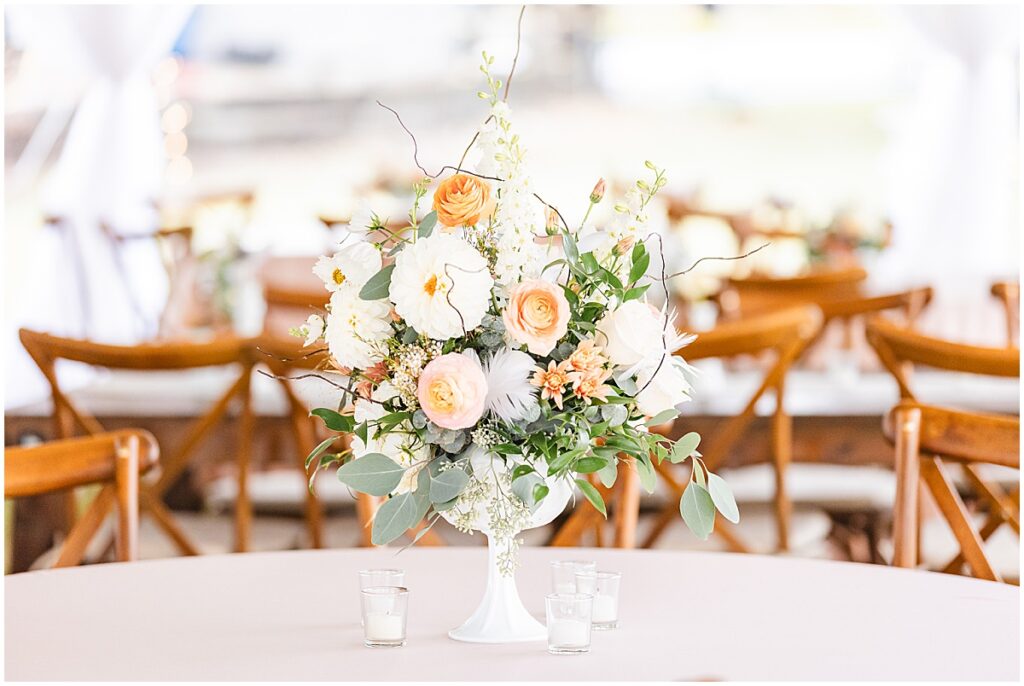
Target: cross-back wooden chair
1008, 294
288, 361
756, 294
786, 334
926, 439
114, 459
901, 349
46, 350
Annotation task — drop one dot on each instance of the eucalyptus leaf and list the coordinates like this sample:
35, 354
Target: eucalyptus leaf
684, 447
379, 284
608, 473
615, 415
374, 474
645, 470
698, 510
394, 517
591, 493
662, 417
525, 489
448, 485
722, 496
427, 225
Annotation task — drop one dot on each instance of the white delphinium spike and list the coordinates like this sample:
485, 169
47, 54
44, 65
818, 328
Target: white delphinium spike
509, 391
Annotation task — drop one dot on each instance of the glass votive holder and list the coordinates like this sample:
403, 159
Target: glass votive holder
563, 574
381, 577
385, 610
604, 586
568, 617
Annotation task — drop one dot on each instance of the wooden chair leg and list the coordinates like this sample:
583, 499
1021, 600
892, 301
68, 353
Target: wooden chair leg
163, 518
243, 506
570, 534
305, 440
665, 517
782, 428
906, 509
627, 505
126, 475
366, 506
86, 527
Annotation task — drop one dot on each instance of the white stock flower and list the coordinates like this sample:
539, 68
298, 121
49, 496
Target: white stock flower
357, 329
441, 286
510, 395
636, 334
350, 268
662, 388
393, 444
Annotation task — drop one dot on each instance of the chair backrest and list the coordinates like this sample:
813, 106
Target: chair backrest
926, 438
46, 350
786, 333
1008, 294
758, 294
116, 458
898, 347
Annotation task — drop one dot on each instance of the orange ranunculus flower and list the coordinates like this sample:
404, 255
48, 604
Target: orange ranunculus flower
461, 200
537, 315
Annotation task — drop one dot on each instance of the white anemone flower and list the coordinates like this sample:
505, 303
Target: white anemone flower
357, 329
441, 286
350, 268
510, 394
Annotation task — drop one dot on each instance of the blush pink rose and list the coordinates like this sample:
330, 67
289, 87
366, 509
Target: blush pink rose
452, 390
537, 315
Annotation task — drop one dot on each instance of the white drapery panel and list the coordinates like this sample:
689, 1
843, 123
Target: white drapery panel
952, 168
83, 282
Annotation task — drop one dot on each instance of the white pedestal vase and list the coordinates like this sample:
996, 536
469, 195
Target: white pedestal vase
501, 617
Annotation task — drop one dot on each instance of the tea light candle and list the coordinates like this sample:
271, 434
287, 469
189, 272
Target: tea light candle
606, 609
569, 633
384, 627
565, 587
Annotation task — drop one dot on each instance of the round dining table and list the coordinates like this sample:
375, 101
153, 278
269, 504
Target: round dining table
293, 616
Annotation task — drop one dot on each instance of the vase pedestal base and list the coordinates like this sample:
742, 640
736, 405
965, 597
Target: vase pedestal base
500, 617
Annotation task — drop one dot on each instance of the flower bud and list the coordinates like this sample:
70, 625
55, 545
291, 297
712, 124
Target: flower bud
551, 226
624, 245
598, 192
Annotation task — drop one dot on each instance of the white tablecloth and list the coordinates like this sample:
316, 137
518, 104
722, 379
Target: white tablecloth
684, 616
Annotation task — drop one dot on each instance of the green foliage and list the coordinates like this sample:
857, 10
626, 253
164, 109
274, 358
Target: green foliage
375, 474
591, 493
698, 510
335, 421
394, 517
379, 284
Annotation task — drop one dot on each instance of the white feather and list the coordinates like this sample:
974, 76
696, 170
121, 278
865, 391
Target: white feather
509, 391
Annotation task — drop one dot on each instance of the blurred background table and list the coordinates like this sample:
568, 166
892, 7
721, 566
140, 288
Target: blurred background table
684, 616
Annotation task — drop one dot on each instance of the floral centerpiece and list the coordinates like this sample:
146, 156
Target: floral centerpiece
497, 355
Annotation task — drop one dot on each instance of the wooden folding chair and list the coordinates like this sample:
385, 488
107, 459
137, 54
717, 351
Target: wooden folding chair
900, 349
113, 459
784, 333
46, 350
1008, 294
928, 437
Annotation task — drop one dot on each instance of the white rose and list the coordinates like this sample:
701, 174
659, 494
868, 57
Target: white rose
632, 334
668, 387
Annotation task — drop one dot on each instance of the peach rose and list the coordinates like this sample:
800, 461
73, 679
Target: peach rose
452, 390
461, 200
537, 315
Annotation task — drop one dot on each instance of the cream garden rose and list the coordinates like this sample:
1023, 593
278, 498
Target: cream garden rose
537, 315
452, 391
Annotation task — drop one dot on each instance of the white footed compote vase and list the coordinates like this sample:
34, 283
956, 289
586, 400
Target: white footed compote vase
501, 617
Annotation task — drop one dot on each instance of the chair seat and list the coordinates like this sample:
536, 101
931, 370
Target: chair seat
835, 488
809, 528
